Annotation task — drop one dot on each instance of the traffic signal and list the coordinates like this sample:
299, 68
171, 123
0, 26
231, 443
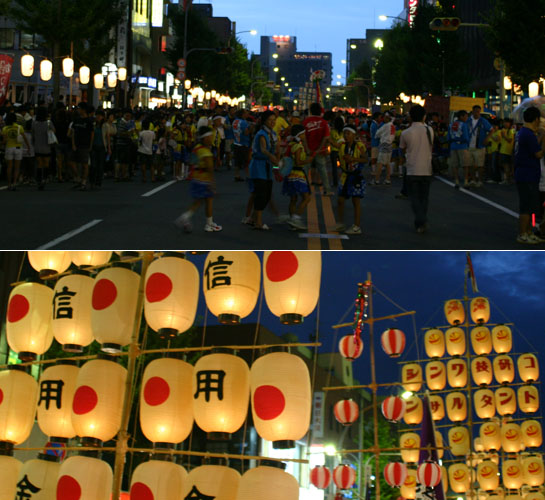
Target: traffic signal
445, 23
224, 50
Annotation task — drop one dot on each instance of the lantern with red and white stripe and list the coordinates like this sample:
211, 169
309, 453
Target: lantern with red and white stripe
393, 408
351, 347
320, 477
429, 474
84, 478
344, 476
395, 474
393, 342
346, 411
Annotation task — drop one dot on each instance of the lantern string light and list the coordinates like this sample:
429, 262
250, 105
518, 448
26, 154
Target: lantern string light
362, 304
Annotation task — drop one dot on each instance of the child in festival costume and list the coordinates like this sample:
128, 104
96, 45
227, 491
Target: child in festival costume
202, 187
353, 157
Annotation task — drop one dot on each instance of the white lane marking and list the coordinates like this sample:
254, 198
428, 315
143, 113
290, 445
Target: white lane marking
481, 198
158, 188
3, 188
69, 235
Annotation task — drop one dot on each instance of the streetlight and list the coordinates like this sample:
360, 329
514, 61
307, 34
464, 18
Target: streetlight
252, 32
382, 17
379, 44
276, 69
343, 61
275, 56
353, 46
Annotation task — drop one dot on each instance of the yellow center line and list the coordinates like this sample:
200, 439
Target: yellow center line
329, 220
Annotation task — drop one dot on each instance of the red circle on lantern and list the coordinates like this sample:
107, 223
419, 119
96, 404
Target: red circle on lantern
1, 396
156, 391
269, 402
281, 266
85, 400
104, 294
18, 308
139, 491
158, 287
68, 489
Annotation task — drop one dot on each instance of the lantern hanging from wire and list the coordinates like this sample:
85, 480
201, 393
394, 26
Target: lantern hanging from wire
213, 481
481, 340
457, 373
122, 74
528, 398
437, 406
268, 482
84, 478
40, 476
480, 310
393, 342
98, 81
487, 475
68, 67
506, 401
111, 79
320, 477
484, 403
411, 377
90, 258
428, 474
344, 476
533, 495
351, 347
346, 411
481, 370
504, 369
456, 404
511, 437
502, 339
434, 343
395, 474
455, 341
46, 70
393, 408
490, 434
459, 477
157, 479
512, 473
528, 367
409, 442
454, 312
9, 473
436, 376
533, 470
459, 440
414, 410
532, 434
408, 488
84, 75
27, 65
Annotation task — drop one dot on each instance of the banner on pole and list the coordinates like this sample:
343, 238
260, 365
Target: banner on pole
6, 64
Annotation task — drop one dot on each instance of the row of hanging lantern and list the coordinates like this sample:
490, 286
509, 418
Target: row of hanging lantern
392, 341
344, 477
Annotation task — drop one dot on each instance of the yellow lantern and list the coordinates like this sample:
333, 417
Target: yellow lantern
455, 339
267, 483
533, 470
454, 312
436, 377
511, 437
533, 89
490, 435
459, 441
408, 488
504, 369
502, 339
512, 474
214, 481
484, 403
90, 258
528, 398
46, 70
71, 321
122, 74
221, 411
98, 400
113, 312
84, 75
497, 494
480, 310
27, 67
281, 398
478, 444
9, 472
57, 388
84, 478
487, 475
437, 407
166, 401
68, 67
532, 434
18, 397
112, 80
456, 404
481, 371
439, 444
40, 475
459, 478
481, 340
457, 372
528, 367
434, 342
411, 377
28, 320
413, 411
534, 495
159, 479
231, 283
409, 442
98, 81
172, 294
291, 281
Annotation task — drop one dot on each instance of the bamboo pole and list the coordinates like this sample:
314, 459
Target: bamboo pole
391, 316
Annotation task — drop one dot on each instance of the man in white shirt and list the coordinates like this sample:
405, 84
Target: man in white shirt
417, 144
386, 135
145, 150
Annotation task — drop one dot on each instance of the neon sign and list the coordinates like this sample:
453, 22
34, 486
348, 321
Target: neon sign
413, 5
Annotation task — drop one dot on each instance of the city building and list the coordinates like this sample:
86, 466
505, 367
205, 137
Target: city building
221, 26
365, 49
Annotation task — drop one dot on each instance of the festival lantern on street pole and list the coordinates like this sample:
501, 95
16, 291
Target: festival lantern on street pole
84, 478
506, 401
346, 411
351, 347
393, 342
456, 404
111, 79
434, 343
411, 377
511, 437
268, 482
436, 377
457, 373
481, 340
428, 474
231, 283
90, 258
490, 434
291, 282
484, 403
502, 339
528, 367
157, 479
408, 489
459, 440
409, 442
48, 263
459, 477
84, 75
455, 340
68, 67
395, 474
39, 476
320, 477
454, 312
213, 481
9, 473
528, 398
27, 65
481, 371
437, 406
46, 70
98, 80
504, 369
512, 474
122, 74
532, 434
344, 476
487, 475
480, 310
393, 408
413, 411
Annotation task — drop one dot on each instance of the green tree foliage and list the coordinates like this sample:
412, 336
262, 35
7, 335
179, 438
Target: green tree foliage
359, 95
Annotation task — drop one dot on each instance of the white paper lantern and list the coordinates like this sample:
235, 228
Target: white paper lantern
459, 478
481, 340
159, 479
455, 340
487, 475
49, 262
457, 372
84, 478
532, 434
528, 367
454, 312
84, 75
480, 310
40, 477
502, 339
122, 74
46, 70
490, 435
511, 437
68, 67
459, 440
528, 398
215, 481
434, 343
112, 80
98, 81
456, 404
9, 472
533, 470
409, 442
90, 258
27, 65
267, 483
484, 403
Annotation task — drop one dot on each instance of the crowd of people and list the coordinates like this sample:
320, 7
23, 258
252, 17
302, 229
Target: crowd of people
321, 152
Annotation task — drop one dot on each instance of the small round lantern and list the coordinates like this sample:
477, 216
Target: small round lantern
454, 312
408, 489
434, 343
84, 75
504, 369
459, 478
267, 483
481, 340
528, 367
409, 442
213, 481
436, 377
344, 476
90, 258
159, 479
9, 472
84, 478
511, 437
502, 339
395, 474
484, 403
490, 435
487, 475
437, 406
456, 404
528, 398
481, 370
346, 411
411, 377
480, 310
350, 347
49, 262
459, 441
413, 411
428, 474
320, 477
512, 474
40, 475
533, 470
27, 67
393, 408
455, 340
46, 70
532, 434
506, 401
393, 342
457, 372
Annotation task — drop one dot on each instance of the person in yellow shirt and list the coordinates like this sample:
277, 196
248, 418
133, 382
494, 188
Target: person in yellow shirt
507, 135
281, 127
335, 141
13, 135
177, 156
492, 148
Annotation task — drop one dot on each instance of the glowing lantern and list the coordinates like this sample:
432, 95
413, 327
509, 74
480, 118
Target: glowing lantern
90, 258
71, 321
98, 400
506, 401
457, 372
212, 481
458, 439
411, 377
428, 474
114, 299
395, 474
122, 74
84, 75
112, 80
393, 342
512, 474
502, 339
166, 400
256, 483
55, 413
346, 411
455, 340
98, 81
478, 444
439, 444
490, 436
42, 474
459, 478
9, 472
159, 479
413, 411
480, 310
436, 377
231, 282
393, 408
434, 343
456, 404
68, 67
533, 470
409, 442
320, 477
534, 495
344, 476
408, 489
528, 367
84, 478
481, 370
437, 407
504, 370
533, 89
487, 475
291, 281
454, 312
481, 340
222, 412
484, 403
350, 347
532, 435
281, 398
46, 70
18, 398
511, 437
528, 398
29, 320
27, 67
172, 293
